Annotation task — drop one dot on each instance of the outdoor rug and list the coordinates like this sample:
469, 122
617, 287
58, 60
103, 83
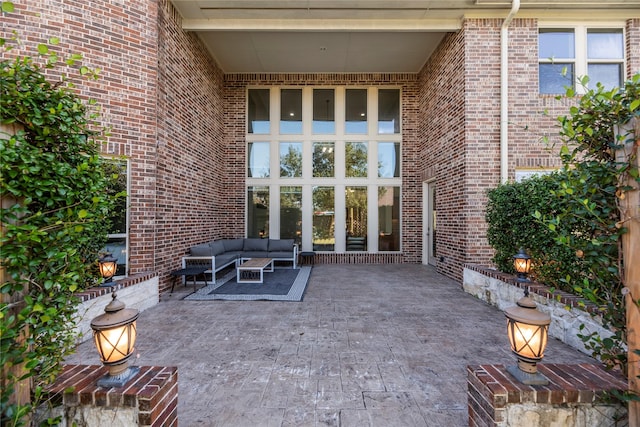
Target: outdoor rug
284, 284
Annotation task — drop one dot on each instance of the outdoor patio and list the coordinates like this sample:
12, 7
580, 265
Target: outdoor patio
370, 345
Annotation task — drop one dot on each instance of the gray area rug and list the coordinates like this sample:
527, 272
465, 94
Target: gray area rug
284, 284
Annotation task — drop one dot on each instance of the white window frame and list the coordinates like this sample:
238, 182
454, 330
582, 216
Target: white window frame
581, 62
339, 182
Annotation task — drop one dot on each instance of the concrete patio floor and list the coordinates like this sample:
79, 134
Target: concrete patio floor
370, 345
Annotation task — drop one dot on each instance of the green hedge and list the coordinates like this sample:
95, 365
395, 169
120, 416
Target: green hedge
512, 224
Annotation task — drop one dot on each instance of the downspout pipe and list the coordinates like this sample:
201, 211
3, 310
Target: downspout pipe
504, 92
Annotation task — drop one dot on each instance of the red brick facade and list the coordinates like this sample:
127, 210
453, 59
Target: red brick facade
181, 123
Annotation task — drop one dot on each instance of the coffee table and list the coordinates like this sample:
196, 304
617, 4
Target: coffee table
252, 270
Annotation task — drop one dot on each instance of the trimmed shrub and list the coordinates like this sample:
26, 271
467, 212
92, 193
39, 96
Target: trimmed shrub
511, 217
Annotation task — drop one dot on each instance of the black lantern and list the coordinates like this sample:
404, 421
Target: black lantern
114, 334
528, 330
108, 265
522, 264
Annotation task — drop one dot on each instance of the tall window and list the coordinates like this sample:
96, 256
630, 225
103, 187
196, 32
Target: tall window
117, 243
389, 218
356, 159
568, 53
323, 159
389, 159
291, 213
258, 212
356, 213
324, 214
605, 57
328, 172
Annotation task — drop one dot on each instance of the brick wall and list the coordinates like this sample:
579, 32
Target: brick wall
459, 127
441, 139
192, 193
633, 46
118, 39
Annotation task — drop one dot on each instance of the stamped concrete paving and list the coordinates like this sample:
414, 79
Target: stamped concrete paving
370, 345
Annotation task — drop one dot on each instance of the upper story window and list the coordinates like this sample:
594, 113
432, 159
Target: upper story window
258, 114
568, 53
290, 111
389, 111
356, 111
324, 121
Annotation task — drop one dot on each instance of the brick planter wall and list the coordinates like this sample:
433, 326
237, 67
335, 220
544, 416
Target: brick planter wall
148, 399
575, 396
568, 312
139, 291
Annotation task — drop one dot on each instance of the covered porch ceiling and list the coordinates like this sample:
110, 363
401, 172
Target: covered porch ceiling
355, 36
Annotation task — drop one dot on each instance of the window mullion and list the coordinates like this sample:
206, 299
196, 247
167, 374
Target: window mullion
340, 218
274, 211
581, 56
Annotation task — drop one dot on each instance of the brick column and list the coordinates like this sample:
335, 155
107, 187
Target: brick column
577, 395
149, 399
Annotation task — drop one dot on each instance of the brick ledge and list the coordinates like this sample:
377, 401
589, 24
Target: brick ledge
563, 297
97, 291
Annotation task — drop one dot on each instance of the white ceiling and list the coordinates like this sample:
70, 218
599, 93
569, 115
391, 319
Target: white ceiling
343, 36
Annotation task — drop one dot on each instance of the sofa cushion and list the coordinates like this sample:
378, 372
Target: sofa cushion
255, 254
280, 254
200, 250
235, 254
217, 248
256, 245
233, 244
224, 259
281, 245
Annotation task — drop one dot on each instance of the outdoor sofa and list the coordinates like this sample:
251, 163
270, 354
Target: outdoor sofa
219, 254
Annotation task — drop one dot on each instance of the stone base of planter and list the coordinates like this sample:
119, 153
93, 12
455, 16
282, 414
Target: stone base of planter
567, 311
139, 291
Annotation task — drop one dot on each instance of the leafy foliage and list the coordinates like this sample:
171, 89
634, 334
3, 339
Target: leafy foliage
590, 224
570, 221
511, 225
54, 227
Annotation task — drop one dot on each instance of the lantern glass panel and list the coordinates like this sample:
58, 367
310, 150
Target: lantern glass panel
522, 265
117, 343
108, 269
528, 341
